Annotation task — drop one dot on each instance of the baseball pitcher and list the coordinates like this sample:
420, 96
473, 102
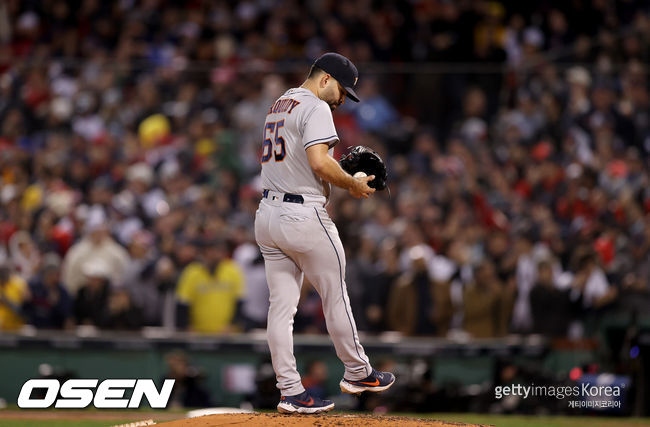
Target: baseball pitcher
296, 235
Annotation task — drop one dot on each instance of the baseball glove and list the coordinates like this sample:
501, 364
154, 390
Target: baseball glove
364, 159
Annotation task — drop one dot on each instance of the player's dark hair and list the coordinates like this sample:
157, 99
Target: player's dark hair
314, 72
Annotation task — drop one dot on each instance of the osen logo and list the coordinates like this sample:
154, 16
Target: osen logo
80, 393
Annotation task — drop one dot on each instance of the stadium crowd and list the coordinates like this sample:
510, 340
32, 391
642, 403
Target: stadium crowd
517, 138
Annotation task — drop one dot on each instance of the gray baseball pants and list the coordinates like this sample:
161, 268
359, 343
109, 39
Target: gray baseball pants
298, 239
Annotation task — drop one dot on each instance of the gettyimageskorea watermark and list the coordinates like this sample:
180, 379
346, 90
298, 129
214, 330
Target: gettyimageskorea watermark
585, 395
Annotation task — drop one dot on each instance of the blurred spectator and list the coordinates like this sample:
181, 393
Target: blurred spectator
25, 258
92, 299
315, 379
411, 304
188, 392
50, 305
97, 247
309, 318
255, 304
13, 293
453, 273
210, 290
483, 298
266, 394
375, 114
359, 272
553, 309
120, 313
165, 277
473, 128
140, 280
378, 288
526, 275
590, 278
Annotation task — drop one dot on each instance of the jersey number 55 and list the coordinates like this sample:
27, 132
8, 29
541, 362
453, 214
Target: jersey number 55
268, 150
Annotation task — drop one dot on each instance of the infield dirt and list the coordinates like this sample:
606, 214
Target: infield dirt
307, 420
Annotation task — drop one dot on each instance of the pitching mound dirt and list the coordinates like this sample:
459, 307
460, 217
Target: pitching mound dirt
307, 420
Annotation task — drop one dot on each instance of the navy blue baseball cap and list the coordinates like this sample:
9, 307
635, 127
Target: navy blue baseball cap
342, 69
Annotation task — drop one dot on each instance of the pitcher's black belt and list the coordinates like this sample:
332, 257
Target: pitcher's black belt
291, 198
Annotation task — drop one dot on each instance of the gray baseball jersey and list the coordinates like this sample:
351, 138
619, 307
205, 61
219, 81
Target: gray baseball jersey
298, 239
295, 122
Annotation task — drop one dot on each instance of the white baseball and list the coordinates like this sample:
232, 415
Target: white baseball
360, 174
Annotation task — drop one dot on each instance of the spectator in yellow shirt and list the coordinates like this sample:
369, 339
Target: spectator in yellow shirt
13, 292
210, 289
